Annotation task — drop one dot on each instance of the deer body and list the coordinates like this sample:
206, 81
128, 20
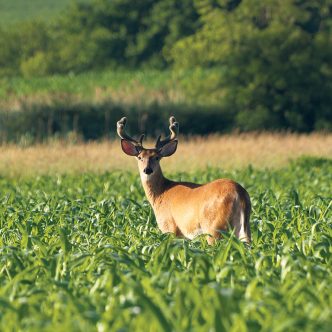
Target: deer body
189, 209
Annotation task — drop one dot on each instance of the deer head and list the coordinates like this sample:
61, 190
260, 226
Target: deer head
148, 159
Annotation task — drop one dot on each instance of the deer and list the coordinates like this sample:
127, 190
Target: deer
183, 208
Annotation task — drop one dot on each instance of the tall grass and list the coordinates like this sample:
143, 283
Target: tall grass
94, 85
264, 150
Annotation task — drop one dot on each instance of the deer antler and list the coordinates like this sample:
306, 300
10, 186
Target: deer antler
174, 129
120, 125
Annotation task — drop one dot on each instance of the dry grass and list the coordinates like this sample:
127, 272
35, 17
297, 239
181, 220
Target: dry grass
227, 152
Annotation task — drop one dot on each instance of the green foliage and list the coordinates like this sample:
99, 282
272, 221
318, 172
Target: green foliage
97, 34
86, 84
83, 253
9, 52
34, 65
23, 50
270, 61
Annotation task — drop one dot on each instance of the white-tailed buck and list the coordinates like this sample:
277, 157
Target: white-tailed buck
184, 208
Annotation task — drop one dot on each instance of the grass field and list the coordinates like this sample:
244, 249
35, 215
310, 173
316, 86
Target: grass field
228, 152
13, 11
82, 252
137, 86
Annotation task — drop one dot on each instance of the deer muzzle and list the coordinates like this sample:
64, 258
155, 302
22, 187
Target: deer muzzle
148, 170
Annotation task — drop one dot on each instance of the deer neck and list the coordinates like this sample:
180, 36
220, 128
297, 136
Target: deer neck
154, 185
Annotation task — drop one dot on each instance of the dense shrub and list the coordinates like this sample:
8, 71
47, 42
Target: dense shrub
268, 61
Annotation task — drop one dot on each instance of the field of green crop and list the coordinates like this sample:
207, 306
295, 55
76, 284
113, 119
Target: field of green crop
86, 84
83, 253
12, 11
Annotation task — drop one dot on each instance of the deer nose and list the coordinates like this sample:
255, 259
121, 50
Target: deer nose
148, 170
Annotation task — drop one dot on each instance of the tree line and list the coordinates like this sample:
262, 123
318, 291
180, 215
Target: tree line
97, 35
268, 63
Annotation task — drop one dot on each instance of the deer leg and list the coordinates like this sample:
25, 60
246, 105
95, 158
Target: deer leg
238, 223
212, 237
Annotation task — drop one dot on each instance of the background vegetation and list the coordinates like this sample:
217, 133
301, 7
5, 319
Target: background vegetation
247, 64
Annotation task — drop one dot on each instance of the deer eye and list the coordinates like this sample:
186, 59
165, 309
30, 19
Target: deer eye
139, 158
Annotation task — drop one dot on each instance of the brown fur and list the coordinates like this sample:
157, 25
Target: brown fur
189, 209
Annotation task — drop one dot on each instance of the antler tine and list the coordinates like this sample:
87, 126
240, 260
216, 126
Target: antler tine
174, 129
141, 139
122, 133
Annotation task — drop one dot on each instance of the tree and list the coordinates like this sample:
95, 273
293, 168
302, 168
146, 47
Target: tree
270, 61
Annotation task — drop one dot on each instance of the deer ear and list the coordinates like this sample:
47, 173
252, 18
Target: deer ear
168, 149
129, 148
